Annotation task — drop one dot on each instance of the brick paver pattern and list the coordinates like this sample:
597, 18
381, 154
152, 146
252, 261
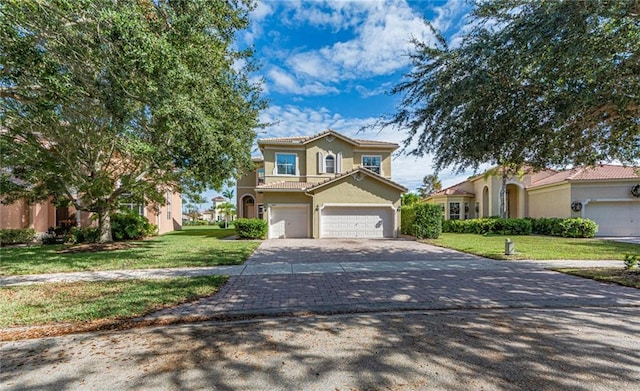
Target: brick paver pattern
436, 279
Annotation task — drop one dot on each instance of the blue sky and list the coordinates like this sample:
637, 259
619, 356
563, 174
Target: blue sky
331, 64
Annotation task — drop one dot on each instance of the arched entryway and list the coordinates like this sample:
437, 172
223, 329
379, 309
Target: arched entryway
248, 207
485, 202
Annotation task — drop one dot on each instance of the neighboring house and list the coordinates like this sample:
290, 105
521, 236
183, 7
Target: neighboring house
217, 214
43, 215
607, 194
323, 186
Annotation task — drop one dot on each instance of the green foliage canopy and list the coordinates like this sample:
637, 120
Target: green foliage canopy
541, 83
103, 98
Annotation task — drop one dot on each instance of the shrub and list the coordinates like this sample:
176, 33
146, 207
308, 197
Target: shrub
631, 261
130, 225
17, 236
551, 226
251, 228
85, 235
407, 218
578, 228
428, 221
489, 225
568, 228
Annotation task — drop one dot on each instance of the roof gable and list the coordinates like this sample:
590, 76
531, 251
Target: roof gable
355, 171
303, 140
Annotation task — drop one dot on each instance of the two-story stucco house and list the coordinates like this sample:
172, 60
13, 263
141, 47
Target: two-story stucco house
323, 186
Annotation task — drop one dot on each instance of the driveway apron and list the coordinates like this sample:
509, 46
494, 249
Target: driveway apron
352, 275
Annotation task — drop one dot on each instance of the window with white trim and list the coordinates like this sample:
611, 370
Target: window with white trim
330, 164
454, 211
285, 163
372, 163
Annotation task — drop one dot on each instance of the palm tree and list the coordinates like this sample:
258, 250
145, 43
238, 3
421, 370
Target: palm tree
228, 209
228, 194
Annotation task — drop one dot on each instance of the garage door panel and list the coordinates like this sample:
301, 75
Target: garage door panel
289, 222
615, 218
357, 222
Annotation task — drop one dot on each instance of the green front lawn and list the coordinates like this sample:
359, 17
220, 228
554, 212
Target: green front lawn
618, 276
90, 301
536, 247
193, 246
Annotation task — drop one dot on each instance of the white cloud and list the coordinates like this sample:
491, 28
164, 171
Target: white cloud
382, 33
293, 120
285, 82
366, 92
256, 16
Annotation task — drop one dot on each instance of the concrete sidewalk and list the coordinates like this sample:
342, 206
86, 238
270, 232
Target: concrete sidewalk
293, 268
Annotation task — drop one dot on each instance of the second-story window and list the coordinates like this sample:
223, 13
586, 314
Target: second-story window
330, 165
286, 163
372, 163
260, 176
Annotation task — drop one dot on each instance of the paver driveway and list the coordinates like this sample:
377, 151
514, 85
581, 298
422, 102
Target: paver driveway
373, 275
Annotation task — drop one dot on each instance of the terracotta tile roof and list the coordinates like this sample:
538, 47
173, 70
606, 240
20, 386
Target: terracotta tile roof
299, 140
286, 185
451, 191
600, 172
361, 169
307, 186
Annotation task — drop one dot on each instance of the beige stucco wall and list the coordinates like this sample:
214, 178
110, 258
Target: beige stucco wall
14, 216
167, 222
269, 152
308, 159
385, 157
350, 191
621, 189
551, 201
335, 147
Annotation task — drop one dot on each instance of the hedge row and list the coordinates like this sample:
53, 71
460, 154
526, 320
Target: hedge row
421, 220
489, 225
17, 236
251, 228
568, 228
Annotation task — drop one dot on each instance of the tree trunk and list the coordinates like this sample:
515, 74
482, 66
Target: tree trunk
503, 197
104, 224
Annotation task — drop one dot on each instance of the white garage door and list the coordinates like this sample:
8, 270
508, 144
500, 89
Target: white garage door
356, 222
291, 221
615, 218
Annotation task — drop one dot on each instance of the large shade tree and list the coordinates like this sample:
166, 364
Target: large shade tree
531, 83
103, 99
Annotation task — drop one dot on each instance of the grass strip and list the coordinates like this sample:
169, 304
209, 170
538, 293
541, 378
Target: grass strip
536, 247
191, 247
629, 278
88, 301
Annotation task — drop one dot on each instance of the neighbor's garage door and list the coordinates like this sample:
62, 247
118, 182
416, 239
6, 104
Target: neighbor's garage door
615, 218
356, 222
291, 221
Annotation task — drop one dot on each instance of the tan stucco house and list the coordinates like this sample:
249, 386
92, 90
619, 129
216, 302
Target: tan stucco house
43, 215
323, 186
607, 194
